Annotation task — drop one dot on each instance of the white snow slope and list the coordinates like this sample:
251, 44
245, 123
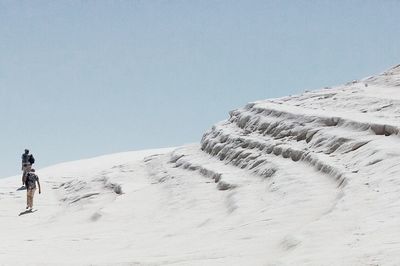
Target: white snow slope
312, 179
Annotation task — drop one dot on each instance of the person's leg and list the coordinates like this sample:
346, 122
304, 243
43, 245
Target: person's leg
27, 198
32, 193
30, 198
26, 169
23, 175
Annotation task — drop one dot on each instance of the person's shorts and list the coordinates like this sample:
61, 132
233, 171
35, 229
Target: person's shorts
26, 167
30, 192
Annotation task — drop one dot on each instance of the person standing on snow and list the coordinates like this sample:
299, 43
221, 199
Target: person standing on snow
31, 180
27, 161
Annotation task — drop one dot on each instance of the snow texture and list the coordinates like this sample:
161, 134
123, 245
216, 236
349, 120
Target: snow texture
310, 179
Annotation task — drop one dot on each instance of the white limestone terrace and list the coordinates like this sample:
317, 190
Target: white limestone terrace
310, 179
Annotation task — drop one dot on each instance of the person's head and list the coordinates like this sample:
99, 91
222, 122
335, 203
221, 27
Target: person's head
26, 151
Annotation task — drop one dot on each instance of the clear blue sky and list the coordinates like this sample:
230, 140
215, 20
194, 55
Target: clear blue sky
85, 78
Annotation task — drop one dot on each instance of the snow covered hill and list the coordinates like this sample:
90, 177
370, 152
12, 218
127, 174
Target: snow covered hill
311, 179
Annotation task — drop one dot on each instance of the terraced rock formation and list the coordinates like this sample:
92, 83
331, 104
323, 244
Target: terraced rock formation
347, 134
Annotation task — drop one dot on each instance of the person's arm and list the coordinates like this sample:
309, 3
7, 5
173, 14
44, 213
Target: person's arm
40, 190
